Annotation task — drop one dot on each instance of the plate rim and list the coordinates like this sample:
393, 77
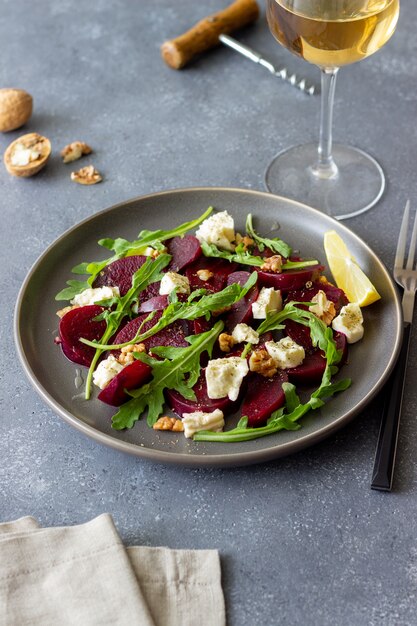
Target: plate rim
199, 460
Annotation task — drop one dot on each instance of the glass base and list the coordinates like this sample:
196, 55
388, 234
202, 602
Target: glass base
355, 186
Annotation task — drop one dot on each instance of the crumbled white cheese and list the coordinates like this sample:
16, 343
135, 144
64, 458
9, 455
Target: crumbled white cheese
285, 352
350, 322
243, 332
269, 299
171, 281
193, 422
91, 296
224, 377
218, 229
23, 156
322, 304
106, 371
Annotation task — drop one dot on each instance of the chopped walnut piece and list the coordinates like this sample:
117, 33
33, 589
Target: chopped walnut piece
226, 342
323, 308
157, 253
74, 151
66, 309
126, 355
168, 423
329, 315
86, 176
247, 242
204, 274
262, 363
273, 264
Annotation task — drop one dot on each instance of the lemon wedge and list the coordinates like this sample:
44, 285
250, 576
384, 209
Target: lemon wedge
347, 273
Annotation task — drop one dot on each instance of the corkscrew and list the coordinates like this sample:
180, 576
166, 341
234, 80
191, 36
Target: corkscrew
253, 55
215, 29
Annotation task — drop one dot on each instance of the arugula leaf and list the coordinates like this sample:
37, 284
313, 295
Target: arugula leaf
245, 258
179, 370
148, 273
275, 244
285, 419
121, 248
189, 310
74, 288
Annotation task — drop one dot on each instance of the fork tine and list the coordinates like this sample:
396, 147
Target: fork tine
410, 260
402, 238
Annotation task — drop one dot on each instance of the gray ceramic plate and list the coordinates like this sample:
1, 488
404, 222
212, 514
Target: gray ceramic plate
53, 376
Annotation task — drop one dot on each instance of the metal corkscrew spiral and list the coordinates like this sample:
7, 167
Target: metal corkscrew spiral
256, 57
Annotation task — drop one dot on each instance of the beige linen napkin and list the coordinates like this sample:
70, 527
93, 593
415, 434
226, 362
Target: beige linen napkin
84, 575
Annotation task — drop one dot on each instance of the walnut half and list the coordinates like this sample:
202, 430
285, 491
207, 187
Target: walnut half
27, 155
261, 362
86, 176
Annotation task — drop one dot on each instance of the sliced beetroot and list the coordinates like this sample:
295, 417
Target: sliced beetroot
220, 269
298, 333
263, 396
151, 291
312, 368
80, 323
132, 376
334, 294
184, 250
239, 277
289, 279
241, 311
202, 403
119, 273
173, 335
157, 303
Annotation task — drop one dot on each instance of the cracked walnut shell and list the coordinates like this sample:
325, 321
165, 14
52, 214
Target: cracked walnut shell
86, 176
27, 155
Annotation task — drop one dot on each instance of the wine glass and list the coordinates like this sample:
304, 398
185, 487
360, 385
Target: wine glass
339, 180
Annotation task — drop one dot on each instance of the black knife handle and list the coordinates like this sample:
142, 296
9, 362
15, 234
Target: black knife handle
387, 441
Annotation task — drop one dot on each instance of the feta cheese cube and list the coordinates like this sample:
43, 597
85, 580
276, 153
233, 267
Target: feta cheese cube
193, 422
171, 281
269, 299
218, 229
224, 377
285, 352
243, 332
91, 296
106, 371
350, 322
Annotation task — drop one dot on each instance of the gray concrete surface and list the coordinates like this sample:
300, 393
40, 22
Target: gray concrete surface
304, 541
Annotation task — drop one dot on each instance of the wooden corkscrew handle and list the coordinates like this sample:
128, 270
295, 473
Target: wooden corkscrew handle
205, 35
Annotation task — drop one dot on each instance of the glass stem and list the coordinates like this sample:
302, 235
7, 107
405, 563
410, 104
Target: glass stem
325, 166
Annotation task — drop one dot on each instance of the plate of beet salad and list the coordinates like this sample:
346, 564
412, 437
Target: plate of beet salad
202, 327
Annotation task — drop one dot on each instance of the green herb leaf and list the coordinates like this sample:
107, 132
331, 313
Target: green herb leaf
275, 244
179, 370
246, 258
121, 248
75, 287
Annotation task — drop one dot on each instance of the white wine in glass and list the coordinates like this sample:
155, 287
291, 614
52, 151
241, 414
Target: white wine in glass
341, 181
